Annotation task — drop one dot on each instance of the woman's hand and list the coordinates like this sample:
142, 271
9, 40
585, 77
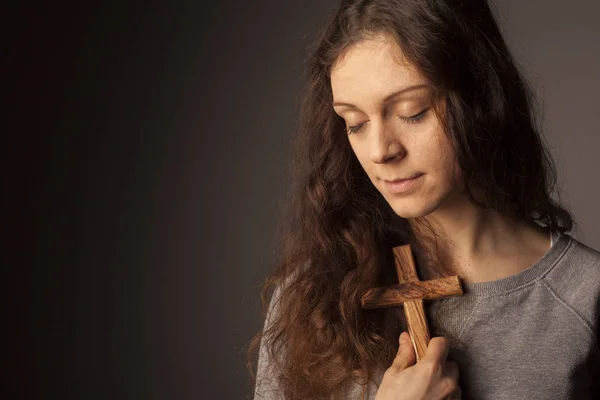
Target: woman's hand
432, 378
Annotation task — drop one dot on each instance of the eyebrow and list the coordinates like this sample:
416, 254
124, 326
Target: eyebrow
387, 98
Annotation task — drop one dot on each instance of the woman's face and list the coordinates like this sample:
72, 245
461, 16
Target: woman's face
394, 132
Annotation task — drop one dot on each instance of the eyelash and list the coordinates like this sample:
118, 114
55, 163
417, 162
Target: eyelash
409, 120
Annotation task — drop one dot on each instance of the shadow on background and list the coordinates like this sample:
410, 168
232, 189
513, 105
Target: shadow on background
144, 162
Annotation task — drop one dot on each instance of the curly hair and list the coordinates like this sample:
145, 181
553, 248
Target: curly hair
339, 230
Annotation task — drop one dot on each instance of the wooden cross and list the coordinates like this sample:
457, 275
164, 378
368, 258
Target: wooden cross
410, 292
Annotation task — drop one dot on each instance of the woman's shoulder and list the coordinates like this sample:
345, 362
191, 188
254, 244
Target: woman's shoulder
574, 278
579, 255
573, 262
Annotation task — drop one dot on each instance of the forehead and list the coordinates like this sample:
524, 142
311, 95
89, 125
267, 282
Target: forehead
370, 69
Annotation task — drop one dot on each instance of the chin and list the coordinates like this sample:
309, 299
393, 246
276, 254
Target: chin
416, 207
409, 213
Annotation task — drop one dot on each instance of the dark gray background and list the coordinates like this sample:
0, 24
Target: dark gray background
144, 163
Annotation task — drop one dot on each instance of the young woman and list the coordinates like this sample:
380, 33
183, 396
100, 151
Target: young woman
417, 128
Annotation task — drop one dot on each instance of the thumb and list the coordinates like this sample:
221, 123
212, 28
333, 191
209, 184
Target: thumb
406, 353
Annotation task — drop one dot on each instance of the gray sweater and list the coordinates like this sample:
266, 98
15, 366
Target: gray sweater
533, 335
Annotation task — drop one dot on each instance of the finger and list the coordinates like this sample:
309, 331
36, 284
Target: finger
406, 354
452, 370
456, 394
437, 350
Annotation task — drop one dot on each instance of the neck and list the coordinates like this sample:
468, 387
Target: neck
481, 245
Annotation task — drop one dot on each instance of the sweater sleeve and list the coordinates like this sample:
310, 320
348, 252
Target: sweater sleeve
267, 386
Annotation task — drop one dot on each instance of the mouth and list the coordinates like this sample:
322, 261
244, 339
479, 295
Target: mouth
403, 185
403, 179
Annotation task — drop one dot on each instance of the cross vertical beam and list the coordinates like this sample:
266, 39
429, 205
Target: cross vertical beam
410, 292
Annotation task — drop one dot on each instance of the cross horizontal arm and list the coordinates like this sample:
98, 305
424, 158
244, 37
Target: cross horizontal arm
416, 290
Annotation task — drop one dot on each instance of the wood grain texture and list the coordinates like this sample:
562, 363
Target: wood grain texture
417, 327
413, 309
395, 295
410, 292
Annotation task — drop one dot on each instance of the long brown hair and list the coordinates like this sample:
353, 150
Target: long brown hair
339, 230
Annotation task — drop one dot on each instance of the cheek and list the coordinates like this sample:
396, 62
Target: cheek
452, 171
442, 155
458, 176
361, 156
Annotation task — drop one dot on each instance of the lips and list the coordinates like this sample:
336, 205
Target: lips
403, 186
402, 179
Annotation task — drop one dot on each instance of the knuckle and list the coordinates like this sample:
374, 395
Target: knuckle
431, 368
449, 385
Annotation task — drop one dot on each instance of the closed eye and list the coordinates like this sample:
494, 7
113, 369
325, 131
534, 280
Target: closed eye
354, 129
413, 119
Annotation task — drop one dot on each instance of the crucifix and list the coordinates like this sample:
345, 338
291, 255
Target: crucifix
410, 292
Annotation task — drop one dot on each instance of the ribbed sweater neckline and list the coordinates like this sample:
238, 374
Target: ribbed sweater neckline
560, 243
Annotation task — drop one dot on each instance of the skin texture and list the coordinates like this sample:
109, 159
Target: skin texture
387, 146
433, 378
482, 245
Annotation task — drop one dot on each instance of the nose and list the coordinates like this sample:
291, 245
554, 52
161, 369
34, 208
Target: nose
384, 144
